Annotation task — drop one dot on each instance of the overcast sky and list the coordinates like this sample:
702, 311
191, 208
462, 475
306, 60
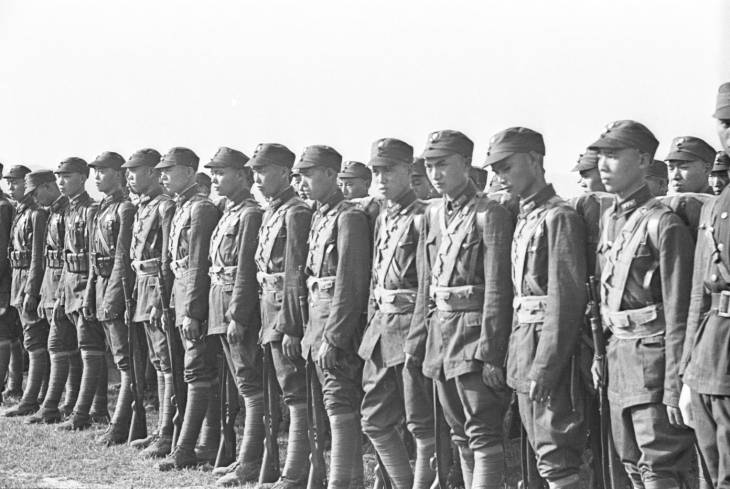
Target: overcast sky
79, 77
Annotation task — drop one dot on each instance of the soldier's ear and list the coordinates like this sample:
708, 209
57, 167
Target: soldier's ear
645, 159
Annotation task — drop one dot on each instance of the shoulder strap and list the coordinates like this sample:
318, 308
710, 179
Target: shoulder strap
526, 230
452, 239
393, 242
268, 233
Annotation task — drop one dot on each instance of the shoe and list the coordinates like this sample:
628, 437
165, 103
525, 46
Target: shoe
100, 418
75, 422
159, 448
144, 442
180, 458
12, 396
42, 418
285, 483
245, 472
114, 435
206, 455
21, 410
219, 471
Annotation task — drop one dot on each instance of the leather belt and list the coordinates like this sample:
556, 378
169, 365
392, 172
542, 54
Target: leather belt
530, 309
221, 275
721, 303
395, 301
146, 268
463, 298
634, 324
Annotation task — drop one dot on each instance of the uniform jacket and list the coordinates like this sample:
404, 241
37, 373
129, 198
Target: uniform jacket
111, 238
646, 369
234, 293
339, 261
150, 238
688, 207
549, 266
53, 247
397, 229
282, 250
190, 232
7, 211
479, 231
706, 353
27, 235
79, 215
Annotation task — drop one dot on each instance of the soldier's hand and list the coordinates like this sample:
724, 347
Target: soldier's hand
493, 376
191, 329
327, 358
235, 332
292, 347
675, 417
88, 313
155, 315
413, 362
539, 392
3, 310
30, 305
685, 405
597, 373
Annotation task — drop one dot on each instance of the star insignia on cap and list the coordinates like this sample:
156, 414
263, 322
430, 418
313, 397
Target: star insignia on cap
435, 136
259, 147
678, 142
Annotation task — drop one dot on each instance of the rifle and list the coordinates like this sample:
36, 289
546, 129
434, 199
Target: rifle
315, 424
138, 425
228, 410
443, 453
174, 344
270, 465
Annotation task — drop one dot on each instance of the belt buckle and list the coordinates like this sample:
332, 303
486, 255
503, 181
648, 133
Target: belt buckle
724, 305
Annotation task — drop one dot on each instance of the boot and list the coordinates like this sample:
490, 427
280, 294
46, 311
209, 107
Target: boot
184, 453
5, 349
99, 412
80, 419
162, 445
488, 468
393, 454
252, 445
466, 456
118, 430
345, 430
14, 388
49, 412
37, 367
73, 383
210, 434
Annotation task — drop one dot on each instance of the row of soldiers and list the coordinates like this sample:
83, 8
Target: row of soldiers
378, 311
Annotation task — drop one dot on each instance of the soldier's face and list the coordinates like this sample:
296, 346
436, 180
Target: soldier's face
517, 174
718, 181
271, 179
391, 181
177, 178
448, 175
228, 181
723, 132
622, 169
107, 179
590, 180
70, 184
657, 186
353, 188
318, 183
422, 187
140, 179
687, 176
16, 187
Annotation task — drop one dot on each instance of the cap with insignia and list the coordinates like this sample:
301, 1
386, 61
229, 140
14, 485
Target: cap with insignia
73, 164
418, 168
17, 171
446, 143
108, 159
390, 152
35, 179
658, 169
228, 158
179, 156
722, 162
513, 140
627, 134
272, 154
690, 148
355, 169
319, 155
587, 161
144, 157
722, 108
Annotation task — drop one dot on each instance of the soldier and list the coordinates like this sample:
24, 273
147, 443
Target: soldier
234, 320
393, 289
26, 261
589, 177
110, 238
337, 269
657, 178
722, 114
148, 254
705, 367
645, 268
420, 183
189, 243
281, 252
689, 162
354, 180
62, 342
719, 177
8, 315
204, 183
478, 177
464, 250
548, 270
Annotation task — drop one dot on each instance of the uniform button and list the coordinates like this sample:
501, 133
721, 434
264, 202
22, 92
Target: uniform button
720, 246
713, 277
723, 215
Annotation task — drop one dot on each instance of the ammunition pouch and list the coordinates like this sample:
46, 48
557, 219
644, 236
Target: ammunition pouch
530, 309
77, 262
635, 324
464, 298
321, 288
146, 268
102, 264
54, 259
178, 267
270, 282
225, 276
20, 258
721, 303
395, 301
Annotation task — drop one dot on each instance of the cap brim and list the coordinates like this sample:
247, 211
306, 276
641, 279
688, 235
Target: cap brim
164, 164
302, 165
380, 161
608, 143
722, 113
437, 153
497, 157
681, 156
583, 167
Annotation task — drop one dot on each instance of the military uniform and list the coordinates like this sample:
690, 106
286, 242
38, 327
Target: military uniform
8, 318
657, 178
719, 177
645, 275
337, 277
282, 250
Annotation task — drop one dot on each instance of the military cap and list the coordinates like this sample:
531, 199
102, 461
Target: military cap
17, 171
272, 154
658, 169
390, 152
479, 176
144, 157
627, 134
319, 155
108, 159
418, 167
228, 158
722, 162
689, 148
35, 179
179, 156
355, 169
514, 140
203, 179
448, 142
73, 164
722, 108
587, 161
